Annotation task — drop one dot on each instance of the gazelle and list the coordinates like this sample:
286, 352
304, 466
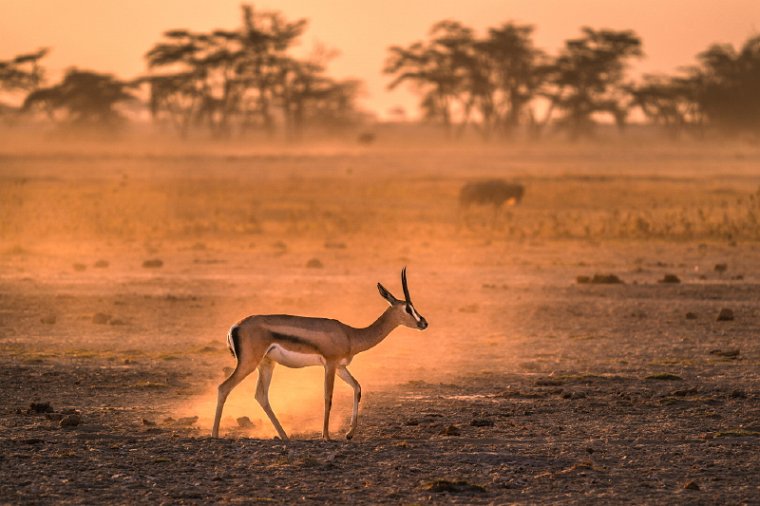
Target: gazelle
296, 341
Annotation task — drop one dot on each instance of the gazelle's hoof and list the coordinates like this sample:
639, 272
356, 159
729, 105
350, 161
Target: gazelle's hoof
349, 436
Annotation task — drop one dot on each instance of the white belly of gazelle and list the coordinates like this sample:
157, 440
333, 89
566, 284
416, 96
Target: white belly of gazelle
293, 359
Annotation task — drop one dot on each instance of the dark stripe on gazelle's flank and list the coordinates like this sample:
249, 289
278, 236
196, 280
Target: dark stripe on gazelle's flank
285, 338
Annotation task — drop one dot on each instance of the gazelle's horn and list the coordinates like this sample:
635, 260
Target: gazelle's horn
406, 288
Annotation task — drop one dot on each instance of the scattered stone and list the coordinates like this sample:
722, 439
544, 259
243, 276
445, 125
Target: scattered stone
101, 264
245, 422
691, 316
187, 421
600, 279
574, 395
70, 421
153, 263
691, 485
148, 423
664, 376
79, 267
720, 268
48, 320
670, 278
101, 318
453, 487
314, 263
451, 430
726, 315
482, 422
732, 354
41, 407
412, 422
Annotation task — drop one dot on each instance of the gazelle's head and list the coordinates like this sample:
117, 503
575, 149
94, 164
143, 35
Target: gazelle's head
403, 309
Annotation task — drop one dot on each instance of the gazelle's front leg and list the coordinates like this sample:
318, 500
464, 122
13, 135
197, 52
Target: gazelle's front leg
329, 385
346, 376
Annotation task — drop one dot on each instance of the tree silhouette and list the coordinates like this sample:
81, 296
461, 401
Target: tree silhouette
440, 70
671, 102
241, 79
730, 78
83, 99
516, 72
21, 74
588, 78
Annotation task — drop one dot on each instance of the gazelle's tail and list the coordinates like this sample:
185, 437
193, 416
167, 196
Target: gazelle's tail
233, 341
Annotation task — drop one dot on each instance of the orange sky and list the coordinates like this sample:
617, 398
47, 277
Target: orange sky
107, 35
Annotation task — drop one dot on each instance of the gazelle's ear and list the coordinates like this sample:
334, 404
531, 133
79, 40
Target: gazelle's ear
387, 295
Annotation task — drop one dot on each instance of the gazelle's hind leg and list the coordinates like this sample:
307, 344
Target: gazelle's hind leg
266, 367
346, 376
243, 369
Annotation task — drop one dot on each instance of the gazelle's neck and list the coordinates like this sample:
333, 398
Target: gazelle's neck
367, 337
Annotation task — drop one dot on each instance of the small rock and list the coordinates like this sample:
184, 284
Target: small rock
101, 318
314, 263
70, 421
48, 320
187, 420
725, 315
691, 316
738, 394
412, 422
482, 422
670, 278
454, 487
148, 423
41, 407
574, 395
451, 430
691, 485
665, 376
79, 267
732, 354
101, 264
600, 279
721, 268
153, 263
245, 422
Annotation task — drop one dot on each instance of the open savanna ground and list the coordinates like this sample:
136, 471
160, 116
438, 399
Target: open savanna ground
123, 266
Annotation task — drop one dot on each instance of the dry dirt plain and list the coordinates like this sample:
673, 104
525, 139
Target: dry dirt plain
528, 387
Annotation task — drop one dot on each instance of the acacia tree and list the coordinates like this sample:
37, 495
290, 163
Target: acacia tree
83, 99
516, 72
588, 78
242, 79
21, 74
440, 70
463, 79
730, 93
671, 102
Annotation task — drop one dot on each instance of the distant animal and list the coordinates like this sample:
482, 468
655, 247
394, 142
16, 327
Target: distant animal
260, 342
491, 192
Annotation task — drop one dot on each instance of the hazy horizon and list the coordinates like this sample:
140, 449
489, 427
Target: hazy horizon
95, 35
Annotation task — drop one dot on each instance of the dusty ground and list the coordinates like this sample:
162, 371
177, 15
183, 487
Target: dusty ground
527, 387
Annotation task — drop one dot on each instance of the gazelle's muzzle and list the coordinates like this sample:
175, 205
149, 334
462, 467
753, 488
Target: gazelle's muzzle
422, 324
